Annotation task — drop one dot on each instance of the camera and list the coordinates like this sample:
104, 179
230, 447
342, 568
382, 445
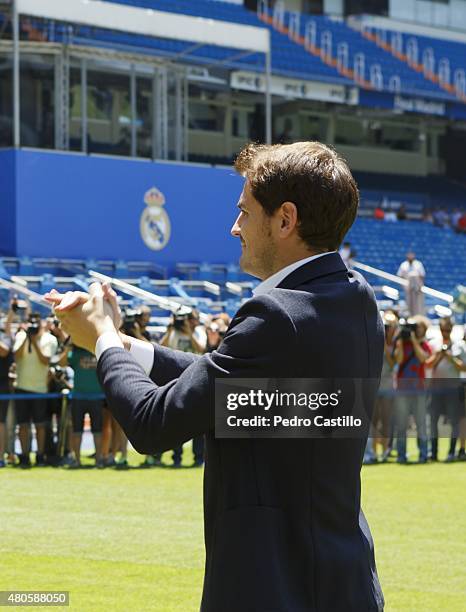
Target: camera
130, 317
57, 371
18, 305
406, 329
181, 316
33, 327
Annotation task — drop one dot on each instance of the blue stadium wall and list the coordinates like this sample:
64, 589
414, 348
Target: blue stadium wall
75, 206
7, 203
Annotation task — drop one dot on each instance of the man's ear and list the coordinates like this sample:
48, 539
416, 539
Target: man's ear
288, 218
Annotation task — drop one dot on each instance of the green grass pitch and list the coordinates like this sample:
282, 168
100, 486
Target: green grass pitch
132, 540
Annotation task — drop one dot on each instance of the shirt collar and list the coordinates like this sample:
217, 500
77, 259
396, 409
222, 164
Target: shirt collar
273, 281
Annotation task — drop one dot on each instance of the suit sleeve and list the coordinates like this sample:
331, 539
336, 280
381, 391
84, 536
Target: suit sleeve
170, 363
158, 417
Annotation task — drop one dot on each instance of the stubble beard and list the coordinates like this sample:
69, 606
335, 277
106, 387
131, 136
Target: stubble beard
263, 261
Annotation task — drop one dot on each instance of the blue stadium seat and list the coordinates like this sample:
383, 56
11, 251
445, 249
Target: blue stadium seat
384, 246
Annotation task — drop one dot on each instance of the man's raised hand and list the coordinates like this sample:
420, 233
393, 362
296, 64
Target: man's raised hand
86, 316
71, 299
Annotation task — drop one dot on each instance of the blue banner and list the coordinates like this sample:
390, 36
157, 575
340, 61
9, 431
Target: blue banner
90, 207
412, 104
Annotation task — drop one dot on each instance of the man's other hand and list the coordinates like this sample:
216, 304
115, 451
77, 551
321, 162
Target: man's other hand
71, 299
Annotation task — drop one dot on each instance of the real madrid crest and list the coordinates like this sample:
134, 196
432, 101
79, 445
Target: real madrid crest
155, 224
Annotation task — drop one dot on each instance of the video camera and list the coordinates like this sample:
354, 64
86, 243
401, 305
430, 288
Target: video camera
180, 317
57, 371
33, 326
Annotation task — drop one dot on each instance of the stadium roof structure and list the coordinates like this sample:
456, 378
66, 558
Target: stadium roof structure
147, 22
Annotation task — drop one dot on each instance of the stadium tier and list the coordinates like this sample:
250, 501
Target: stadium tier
336, 51
361, 56
440, 62
384, 245
415, 193
322, 48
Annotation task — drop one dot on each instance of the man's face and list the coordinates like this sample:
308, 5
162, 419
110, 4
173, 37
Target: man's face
254, 228
410, 257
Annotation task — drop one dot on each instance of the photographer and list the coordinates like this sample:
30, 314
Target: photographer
59, 378
6, 359
33, 348
183, 334
411, 353
141, 323
84, 365
382, 420
135, 325
215, 332
446, 362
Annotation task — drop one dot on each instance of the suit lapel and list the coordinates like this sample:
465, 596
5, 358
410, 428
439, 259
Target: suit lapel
322, 266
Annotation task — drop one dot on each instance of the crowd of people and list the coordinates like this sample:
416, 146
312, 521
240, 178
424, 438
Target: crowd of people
423, 383
454, 218
39, 368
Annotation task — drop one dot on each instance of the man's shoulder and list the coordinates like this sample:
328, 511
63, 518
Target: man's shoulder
269, 307
339, 284
262, 319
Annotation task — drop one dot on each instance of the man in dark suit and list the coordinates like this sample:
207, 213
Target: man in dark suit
283, 526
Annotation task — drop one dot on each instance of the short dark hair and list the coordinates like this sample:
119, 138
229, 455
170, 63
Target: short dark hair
312, 176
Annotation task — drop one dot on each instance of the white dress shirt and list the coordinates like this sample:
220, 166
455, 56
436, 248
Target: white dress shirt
143, 352
273, 281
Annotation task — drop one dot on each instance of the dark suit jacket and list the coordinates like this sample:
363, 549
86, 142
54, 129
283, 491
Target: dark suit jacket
283, 526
